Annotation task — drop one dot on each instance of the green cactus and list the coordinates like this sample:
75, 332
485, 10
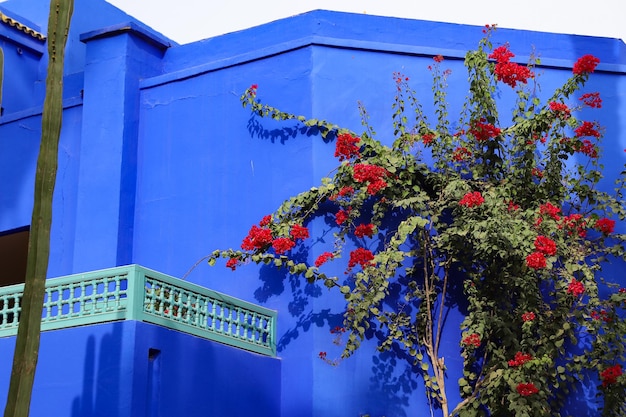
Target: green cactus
27, 343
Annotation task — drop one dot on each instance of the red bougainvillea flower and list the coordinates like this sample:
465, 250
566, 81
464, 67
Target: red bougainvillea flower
257, 238
371, 174
520, 359
472, 340
428, 138
501, 54
376, 186
360, 256
266, 220
536, 172
368, 173
472, 199
341, 216
232, 263
461, 153
536, 260
551, 210
346, 146
576, 288
364, 230
601, 315
528, 316
587, 129
609, 375
438, 58
322, 355
512, 206
483, 131
299, 232
592, 100
511, 73
586, 147
545, 245
605, 225
526, 389
282, 245
323, 258
586, 64
560, 110
574, 222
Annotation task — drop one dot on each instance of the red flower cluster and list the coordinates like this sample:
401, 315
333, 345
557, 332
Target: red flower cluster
345, 191
526, 389
528, 316
323, 258
592, 100
586, 64
605, 225
551, 210
483, 131
587, 148
587, 129
341, 216
258, 238
501, 54
601, 315
512, 206
472, 199
282, 245
428, 138
545, 245
461, 153
438, 58
574, 222
299, 232
576, 288
560, 110
509, 72
346, 147
252, 89
266, 220
322, 355
371, 174
360, 256
609, 375
536, 260
520, 359
364, 230
232, 263
536, 172
472, 340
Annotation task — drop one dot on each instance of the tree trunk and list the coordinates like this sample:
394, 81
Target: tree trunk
27, 343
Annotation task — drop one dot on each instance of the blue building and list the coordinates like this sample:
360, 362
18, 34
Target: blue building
159, 165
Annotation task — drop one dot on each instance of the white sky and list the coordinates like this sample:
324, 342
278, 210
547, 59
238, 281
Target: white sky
190, 20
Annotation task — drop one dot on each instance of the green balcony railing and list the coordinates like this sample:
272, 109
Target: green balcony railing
137, 293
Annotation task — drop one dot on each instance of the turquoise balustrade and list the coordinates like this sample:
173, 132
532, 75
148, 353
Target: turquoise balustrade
136, 293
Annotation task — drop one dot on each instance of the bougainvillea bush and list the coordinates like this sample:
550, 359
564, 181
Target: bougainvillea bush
505, 210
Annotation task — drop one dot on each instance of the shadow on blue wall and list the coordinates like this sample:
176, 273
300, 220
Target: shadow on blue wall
101, 380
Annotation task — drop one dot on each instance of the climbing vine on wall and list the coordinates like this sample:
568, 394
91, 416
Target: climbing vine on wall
492, 205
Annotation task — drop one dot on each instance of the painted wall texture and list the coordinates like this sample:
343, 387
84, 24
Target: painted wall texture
160, 165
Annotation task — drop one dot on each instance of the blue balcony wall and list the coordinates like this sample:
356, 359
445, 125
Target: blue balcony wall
161, 165
133, 369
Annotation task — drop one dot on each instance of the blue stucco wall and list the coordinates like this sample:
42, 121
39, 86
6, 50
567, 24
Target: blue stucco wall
159, 165
136, 369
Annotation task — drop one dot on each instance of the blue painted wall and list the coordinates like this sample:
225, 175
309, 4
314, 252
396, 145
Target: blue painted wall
131, 369
159, 165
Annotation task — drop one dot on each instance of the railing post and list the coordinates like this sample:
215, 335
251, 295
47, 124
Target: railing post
136, 289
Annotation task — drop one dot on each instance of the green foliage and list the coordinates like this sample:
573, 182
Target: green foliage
512, 214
